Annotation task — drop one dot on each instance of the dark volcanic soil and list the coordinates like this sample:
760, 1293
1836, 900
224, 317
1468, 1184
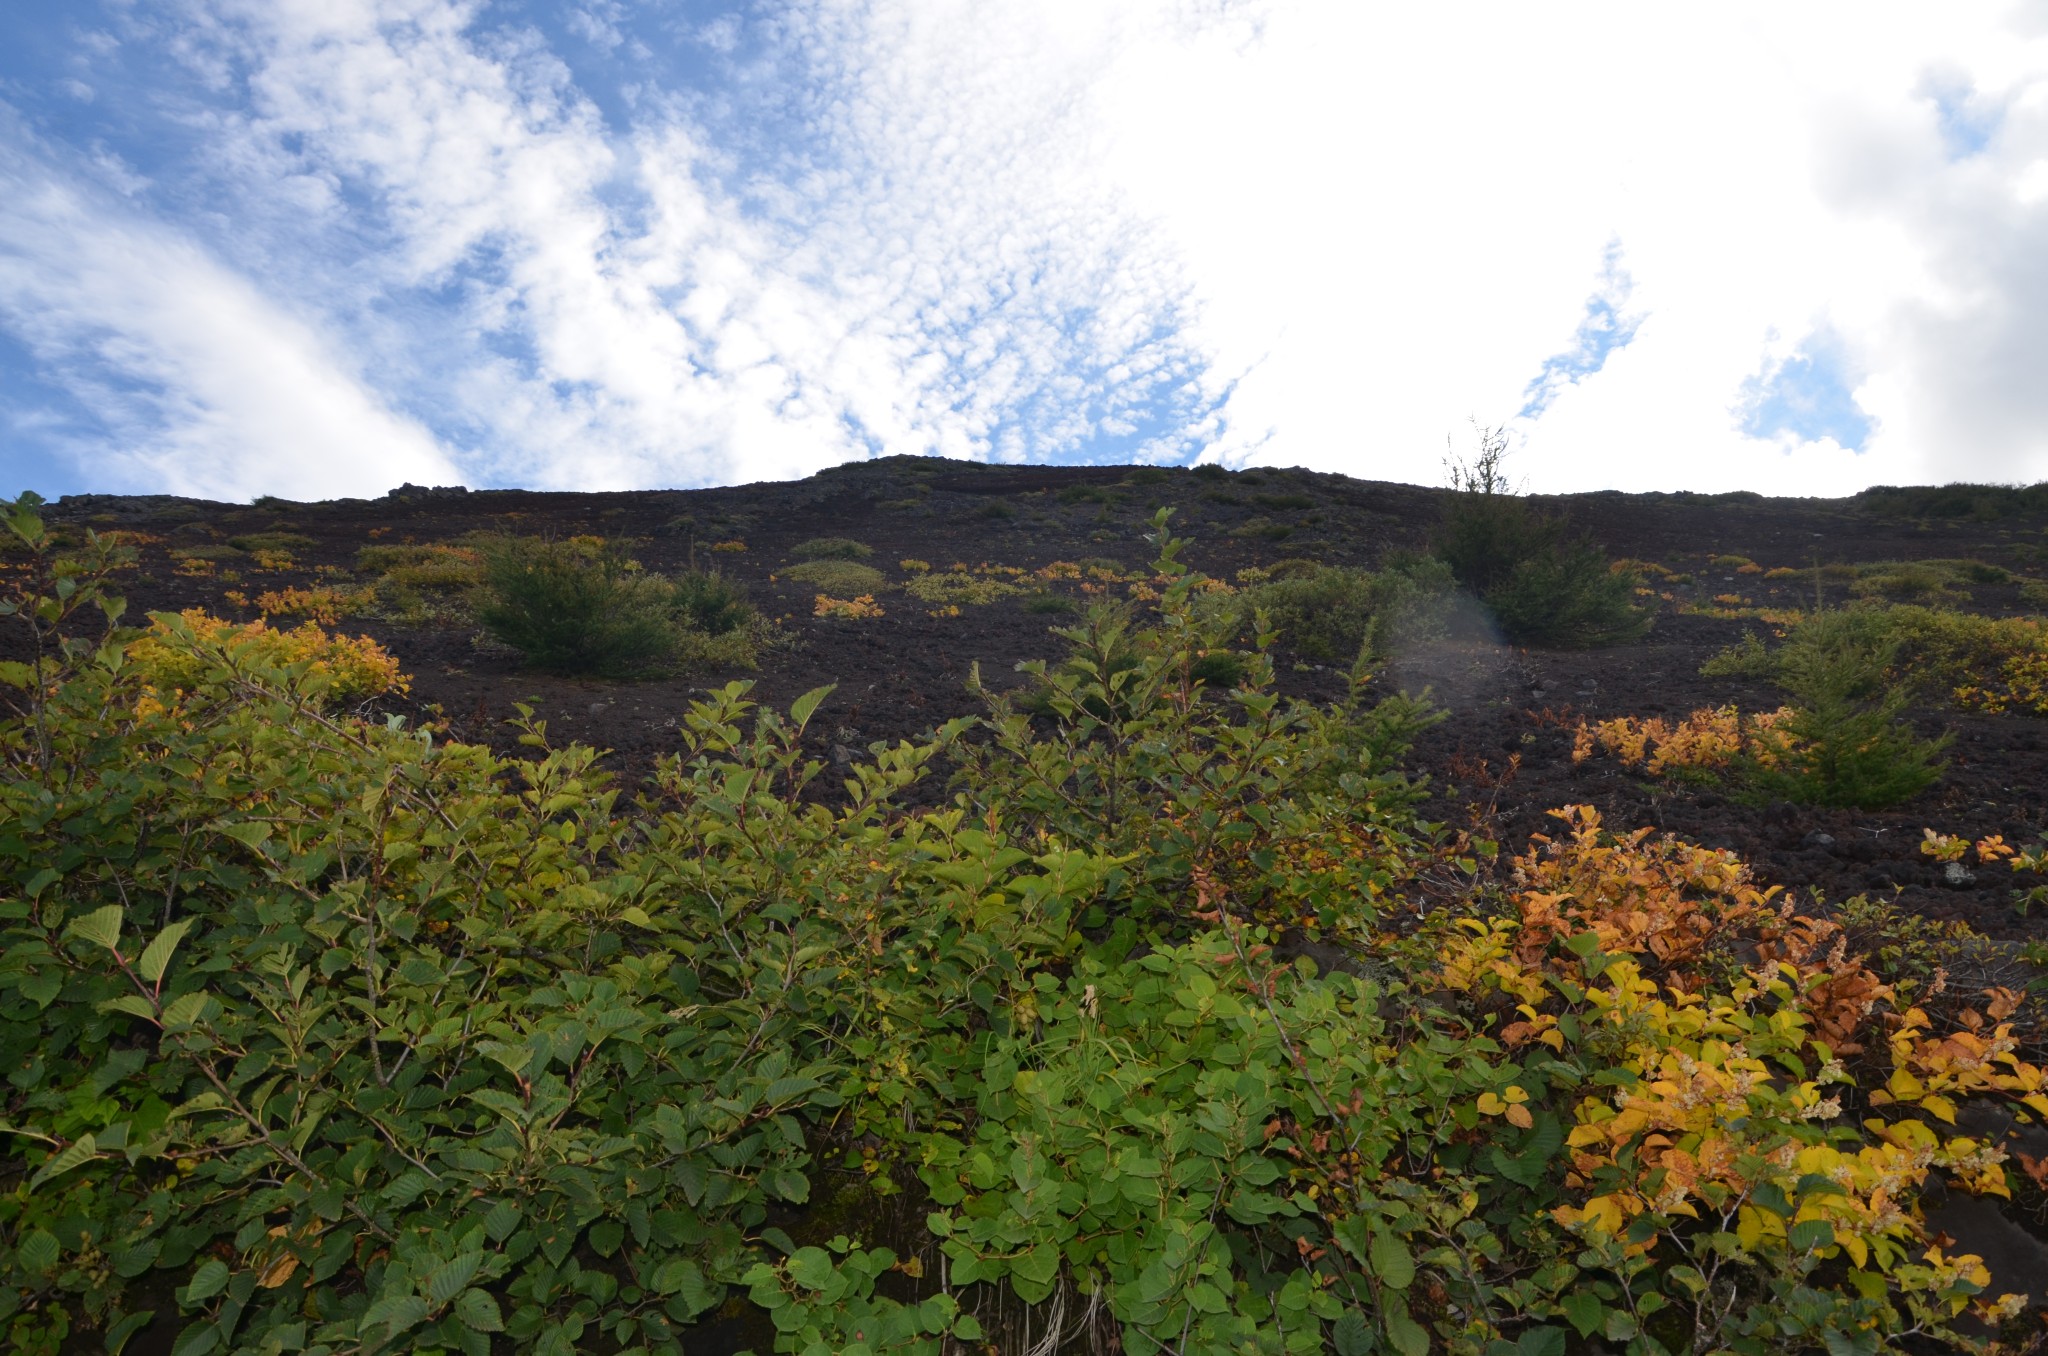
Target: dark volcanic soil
1507, 744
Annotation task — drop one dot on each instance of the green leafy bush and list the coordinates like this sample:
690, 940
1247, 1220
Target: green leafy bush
579, 607
1568, 596
956, 588
1957, 500
1942, 647
1543, 584
840, 578
710, 603
285, 542
831, 548
1053, 604
1846, 742
1338, 615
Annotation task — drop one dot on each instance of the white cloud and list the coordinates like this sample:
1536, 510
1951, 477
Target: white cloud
204, 386
919, 283
1393, 211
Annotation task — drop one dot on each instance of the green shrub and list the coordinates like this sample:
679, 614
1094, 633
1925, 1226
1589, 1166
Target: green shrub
708, 602
283, 542
1910, 581
1747, 658
1568, 596
839, 578
955, 588
1338, 615
1050, 604
432, 566
1210, 471
573, 608
1265, 529
1294, 567
215, 553
831, 548
1944, 649
1543, 584
1845, 743
1957, 500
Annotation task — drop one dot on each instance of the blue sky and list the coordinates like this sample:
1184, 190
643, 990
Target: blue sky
316, 247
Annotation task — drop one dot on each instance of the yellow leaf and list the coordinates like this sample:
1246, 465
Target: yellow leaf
1858, 1251
1518, 1115
1490, 1105
278, 1272
1904, 1086
1940, 1106
1749, 1227
1515, 1093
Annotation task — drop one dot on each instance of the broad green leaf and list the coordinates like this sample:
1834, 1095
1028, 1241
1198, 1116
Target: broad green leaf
1810, 1234
1585, 1311
1409, 1337
500, 1220
208, 1281
606, 1235
38, 1251
393, 1315
811, 1268
184, 1010
801, 710
1040, 1264
64, 1160
156, 957
119, 1333
478, 1311
451, 1278
101, 927
1350, 1335
1391, 1260
247, 834
1541, 1341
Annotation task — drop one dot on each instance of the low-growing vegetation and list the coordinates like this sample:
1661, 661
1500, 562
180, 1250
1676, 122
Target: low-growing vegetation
1983, 503
276, 543
1543, 584
1345, 616
333, 1036
1992, 664
580, 606
960, 588
838, 577
831, 548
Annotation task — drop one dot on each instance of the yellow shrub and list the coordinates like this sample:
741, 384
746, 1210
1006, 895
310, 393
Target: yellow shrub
847, 609
1711, 737
324, 605
1730, 1107
174, 658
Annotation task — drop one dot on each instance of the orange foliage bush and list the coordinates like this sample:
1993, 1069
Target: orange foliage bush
1711, 737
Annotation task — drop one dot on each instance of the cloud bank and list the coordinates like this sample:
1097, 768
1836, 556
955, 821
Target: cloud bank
279, 246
